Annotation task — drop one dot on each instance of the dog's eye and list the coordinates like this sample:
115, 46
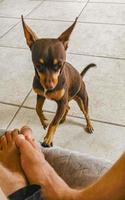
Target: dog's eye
56, 67
41, 67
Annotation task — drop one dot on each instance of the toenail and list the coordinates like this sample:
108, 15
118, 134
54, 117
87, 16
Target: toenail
21, 137
25, 128
2, 137
7, 132
16, 130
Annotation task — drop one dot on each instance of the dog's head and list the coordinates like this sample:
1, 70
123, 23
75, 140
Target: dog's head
48, 55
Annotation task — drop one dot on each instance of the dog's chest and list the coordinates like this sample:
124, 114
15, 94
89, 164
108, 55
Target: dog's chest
53, 95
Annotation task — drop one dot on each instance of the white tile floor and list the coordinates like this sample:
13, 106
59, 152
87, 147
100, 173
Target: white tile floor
99, 37
57, 10
104, 13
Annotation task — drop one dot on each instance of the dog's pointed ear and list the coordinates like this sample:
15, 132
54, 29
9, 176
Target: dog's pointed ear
64, 37
29, 34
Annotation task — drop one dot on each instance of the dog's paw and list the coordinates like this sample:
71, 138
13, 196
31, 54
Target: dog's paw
89, 129
44, 144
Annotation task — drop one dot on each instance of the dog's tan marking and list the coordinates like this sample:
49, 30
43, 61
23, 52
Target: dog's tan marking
41, 61
42, 77
89, 127
55, 77
38, 91
56, 95
39, 107
55, 61
50, 134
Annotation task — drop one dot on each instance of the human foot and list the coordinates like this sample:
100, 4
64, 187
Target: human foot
38, 171
11, 175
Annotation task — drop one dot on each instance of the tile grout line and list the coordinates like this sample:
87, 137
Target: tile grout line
51, 20
12, 47
9, 29
7, 17
100, 23
83, 8
80, 22
80, 1
52, 112
72, 53
75, 116
18, 110
65, 1
35, 8
97, 2
60, 20
99, 56
10, 104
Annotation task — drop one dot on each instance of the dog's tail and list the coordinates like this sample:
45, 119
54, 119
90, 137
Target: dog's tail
87, 68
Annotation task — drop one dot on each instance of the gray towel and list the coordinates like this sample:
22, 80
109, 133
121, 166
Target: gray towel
77, 169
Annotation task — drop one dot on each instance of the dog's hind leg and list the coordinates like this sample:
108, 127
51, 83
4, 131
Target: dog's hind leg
64, 116
82, 101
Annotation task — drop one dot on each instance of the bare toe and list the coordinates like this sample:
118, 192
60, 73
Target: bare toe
8, 137
3, 142
14, 133
26, 131
23, 144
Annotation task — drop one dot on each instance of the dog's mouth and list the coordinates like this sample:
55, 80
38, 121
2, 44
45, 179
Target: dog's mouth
49, 89
49, 86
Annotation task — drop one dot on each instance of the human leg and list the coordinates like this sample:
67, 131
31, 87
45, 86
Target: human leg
110, 186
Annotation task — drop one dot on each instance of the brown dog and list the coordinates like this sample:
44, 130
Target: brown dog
56, 79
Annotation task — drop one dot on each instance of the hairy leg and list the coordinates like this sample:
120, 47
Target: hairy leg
109, 186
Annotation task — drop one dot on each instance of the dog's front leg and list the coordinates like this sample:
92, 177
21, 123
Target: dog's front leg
61, 109
39, 106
